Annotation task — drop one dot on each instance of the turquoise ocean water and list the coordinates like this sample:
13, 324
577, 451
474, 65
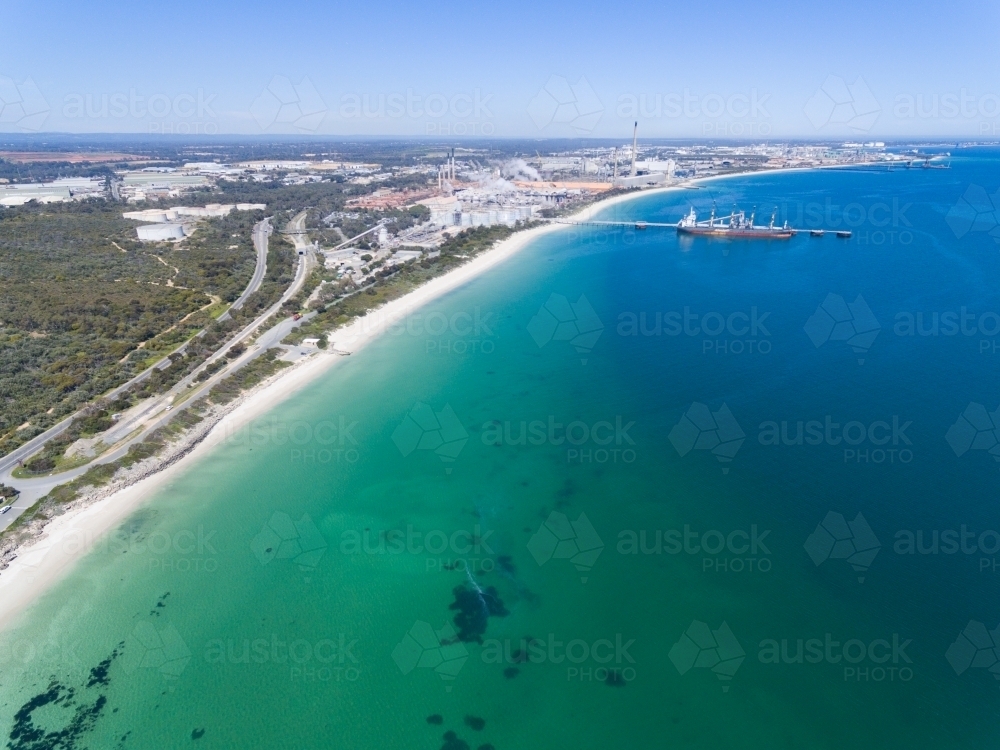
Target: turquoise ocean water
606, 496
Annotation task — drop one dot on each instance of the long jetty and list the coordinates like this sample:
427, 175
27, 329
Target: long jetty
638, 224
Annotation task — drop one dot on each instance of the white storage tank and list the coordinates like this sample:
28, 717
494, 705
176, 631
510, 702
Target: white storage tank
160, 232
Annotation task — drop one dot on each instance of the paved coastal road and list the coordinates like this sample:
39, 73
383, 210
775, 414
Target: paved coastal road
261, 233
9, 462
156, 414
152, 417
304, 249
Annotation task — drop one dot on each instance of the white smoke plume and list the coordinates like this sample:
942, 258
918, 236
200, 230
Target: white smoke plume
518, 169
500, 186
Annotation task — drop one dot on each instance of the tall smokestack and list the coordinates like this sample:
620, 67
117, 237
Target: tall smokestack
635, 136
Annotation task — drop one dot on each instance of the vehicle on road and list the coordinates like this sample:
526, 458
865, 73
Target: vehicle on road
296, 317
4, 509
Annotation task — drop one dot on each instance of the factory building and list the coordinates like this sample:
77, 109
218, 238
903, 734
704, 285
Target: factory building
269, 166
448, 211
213, 168
442, 210
19, 198
487, 217
163, 179
57, 191
147, 184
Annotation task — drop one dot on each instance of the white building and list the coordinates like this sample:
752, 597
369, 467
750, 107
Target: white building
163, 179
442, 209
488, 217
212, 210
57, 191
667, 166
268, 166
451, 212
20, 198
212, 168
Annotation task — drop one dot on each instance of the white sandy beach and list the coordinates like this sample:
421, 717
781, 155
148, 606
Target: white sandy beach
45, 560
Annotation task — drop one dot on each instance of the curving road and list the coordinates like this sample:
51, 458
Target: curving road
156, 413
304, 250
9, 462
261, 232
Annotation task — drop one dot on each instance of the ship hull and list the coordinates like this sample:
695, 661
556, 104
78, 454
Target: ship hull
762, 233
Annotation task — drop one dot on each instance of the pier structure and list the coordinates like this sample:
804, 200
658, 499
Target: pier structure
640, 224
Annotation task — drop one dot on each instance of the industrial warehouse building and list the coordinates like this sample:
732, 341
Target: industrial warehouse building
448, 211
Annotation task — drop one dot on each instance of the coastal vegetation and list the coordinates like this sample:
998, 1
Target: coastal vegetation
341, 302
171, 317
85, 306
153, 444
384, 286
338, 302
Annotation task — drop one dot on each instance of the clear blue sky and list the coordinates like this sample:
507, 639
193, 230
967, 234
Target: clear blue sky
864, 70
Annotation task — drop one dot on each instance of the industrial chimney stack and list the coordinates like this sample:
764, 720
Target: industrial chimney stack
635, 135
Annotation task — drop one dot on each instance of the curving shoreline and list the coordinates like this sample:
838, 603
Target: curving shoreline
53, 547
31, 566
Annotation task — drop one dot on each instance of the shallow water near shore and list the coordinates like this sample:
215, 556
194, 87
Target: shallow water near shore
605, 495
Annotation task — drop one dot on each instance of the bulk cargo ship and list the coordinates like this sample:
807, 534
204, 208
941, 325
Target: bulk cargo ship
736, 225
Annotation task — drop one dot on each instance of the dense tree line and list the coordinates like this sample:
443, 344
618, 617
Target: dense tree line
51, 170
83, 302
